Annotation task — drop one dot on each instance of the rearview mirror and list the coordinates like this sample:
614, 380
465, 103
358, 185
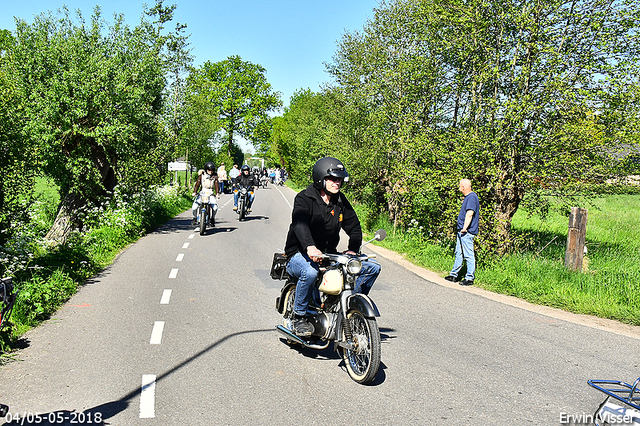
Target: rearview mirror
381, 234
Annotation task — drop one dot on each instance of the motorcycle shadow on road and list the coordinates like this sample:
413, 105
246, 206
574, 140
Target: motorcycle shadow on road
327, 353
252, 218
384, 336
330, 354
219, 230
177, 224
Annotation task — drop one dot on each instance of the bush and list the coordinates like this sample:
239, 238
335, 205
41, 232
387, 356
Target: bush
38, 298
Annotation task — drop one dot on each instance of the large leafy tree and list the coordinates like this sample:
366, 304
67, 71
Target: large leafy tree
92, 95
231, 98
302, 134
513, 94
16, 155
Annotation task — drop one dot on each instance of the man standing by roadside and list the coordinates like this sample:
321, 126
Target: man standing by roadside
468, 219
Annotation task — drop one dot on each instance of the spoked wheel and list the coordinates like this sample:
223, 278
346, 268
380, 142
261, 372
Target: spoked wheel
203, 222
287, 313
241, 210
363, 361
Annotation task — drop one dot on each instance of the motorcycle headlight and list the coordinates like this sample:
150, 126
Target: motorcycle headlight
354, 267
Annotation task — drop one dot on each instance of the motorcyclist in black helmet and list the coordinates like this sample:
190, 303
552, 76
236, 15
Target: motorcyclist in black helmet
208, 180
319, 213
245, 180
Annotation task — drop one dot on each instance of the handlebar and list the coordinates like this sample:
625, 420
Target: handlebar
345, 257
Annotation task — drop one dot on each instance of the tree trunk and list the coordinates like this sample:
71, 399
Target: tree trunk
67, 219
507, 199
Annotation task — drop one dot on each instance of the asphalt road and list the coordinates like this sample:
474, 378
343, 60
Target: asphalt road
180, 330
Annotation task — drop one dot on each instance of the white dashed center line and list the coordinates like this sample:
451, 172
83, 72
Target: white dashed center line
148, 397
156, 333
174, 273
180, 257
166, 296
185, 245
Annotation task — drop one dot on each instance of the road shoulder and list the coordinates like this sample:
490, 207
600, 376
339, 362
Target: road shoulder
581, 319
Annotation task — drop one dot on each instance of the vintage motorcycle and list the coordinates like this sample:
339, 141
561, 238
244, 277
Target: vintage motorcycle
243, 201
263, 181
205, 215
344, 317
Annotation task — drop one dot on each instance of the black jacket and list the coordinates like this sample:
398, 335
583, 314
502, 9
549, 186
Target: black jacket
315, 223
245, 181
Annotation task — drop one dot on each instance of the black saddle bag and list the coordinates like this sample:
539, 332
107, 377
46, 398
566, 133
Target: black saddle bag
279, 267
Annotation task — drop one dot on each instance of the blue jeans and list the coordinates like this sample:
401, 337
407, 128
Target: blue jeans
306, 270
464, 251
235, 198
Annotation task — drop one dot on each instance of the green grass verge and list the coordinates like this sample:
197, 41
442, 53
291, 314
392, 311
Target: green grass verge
535, 270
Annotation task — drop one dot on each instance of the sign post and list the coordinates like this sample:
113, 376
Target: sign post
179, 166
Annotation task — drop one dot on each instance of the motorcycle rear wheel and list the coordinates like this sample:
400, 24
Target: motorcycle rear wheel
203, 222
363, 361
287, 312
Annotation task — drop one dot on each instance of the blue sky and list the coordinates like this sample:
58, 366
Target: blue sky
290, 38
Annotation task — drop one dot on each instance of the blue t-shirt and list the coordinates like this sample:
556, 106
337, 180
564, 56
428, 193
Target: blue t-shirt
470, 202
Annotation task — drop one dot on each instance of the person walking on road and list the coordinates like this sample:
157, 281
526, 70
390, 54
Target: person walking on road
222, 177
234, 173
468, 220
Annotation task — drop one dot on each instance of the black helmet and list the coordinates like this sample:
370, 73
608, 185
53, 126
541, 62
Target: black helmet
244, 168
210, 166
328, 166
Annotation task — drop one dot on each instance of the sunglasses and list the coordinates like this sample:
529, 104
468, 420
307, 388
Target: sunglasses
334, 178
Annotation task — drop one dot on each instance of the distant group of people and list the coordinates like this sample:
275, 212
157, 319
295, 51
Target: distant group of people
215, 180
277, 175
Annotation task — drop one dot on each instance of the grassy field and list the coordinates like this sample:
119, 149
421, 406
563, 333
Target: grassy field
535, 271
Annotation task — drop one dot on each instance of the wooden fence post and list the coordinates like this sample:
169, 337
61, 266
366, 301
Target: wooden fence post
576, 239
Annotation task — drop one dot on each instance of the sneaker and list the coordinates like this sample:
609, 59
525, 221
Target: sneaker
466, 282
450, 278
235, 208
301, 327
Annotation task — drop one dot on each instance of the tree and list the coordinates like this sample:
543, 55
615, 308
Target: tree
512, 94
16, 155
232, 97
92, 98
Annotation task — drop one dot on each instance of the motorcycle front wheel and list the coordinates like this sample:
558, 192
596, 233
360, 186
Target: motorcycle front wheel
363, 361
241, 209
203, 222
